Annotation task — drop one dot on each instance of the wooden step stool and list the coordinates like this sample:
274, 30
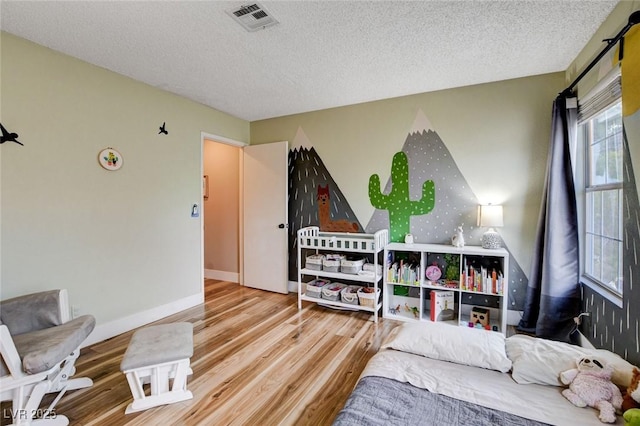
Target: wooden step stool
155, 355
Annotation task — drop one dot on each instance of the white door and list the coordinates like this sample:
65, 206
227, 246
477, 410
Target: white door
265, 251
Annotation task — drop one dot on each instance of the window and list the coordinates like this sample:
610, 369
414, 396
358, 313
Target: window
601, 138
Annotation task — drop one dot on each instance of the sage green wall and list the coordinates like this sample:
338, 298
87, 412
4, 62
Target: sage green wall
121, 242
497, 133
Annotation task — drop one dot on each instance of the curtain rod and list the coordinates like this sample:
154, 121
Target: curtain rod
634, 19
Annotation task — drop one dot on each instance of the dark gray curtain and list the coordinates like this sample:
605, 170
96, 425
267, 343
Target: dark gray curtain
553, 292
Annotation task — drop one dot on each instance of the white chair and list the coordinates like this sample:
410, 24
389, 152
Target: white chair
39, 345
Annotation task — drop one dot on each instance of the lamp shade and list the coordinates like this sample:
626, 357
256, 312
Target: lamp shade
490, 216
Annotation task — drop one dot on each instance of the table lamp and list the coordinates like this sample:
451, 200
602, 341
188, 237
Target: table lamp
490, 216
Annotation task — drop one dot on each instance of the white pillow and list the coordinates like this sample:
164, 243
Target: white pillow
462, 345
541, 361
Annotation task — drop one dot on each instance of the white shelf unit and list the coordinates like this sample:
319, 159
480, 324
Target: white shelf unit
311, 240
410, 301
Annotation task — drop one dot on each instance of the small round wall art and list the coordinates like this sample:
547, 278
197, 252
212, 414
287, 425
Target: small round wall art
110, 159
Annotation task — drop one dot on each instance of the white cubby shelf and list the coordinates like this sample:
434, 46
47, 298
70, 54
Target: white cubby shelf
478, 278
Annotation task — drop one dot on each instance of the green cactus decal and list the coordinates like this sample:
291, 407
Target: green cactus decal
397, 202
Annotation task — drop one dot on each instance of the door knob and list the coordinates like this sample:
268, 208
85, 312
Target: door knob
283, 225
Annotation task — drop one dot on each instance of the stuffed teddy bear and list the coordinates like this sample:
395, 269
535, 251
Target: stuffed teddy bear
631, 399
590, 385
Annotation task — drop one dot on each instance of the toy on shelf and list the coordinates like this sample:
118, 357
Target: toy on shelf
413, 309
458, 238
480, 316
394, 311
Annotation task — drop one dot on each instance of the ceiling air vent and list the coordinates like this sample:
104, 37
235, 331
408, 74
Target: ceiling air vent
252, 16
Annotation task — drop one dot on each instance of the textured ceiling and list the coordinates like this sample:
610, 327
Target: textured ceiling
322, 54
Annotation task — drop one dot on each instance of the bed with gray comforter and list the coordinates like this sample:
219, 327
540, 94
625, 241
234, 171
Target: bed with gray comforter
387, 402
436, 374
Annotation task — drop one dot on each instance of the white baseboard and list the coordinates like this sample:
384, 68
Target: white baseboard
292, 286
213, 274
106, 331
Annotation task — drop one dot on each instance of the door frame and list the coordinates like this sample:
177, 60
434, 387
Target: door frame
204, 137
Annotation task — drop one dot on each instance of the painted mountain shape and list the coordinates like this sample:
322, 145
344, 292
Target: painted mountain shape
307, 172
456, 204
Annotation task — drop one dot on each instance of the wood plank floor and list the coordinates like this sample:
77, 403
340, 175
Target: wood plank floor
257, 361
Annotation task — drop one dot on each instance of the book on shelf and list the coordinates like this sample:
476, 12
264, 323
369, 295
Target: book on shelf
442, 305
404, 273
481, 280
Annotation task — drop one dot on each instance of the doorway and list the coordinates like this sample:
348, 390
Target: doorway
221, 208
251, 197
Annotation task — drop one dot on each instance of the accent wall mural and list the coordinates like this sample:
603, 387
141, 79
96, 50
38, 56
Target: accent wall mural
430, 199
314, 198
327, 223
397, 202
431, 166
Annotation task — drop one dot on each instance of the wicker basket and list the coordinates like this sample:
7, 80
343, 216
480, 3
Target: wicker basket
368, 299
370, 267
349, 294
332, 291
331, 262
351, 265
314, 288
314, 262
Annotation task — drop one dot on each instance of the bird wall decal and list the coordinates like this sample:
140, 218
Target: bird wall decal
8, 137
162, 129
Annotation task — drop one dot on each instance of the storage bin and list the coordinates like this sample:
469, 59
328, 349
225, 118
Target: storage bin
407, 291
314, 288
351, 265
331, 262
370, 267
349, 294
400, 290
314, 262
368, 299
332, 291
414, 292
